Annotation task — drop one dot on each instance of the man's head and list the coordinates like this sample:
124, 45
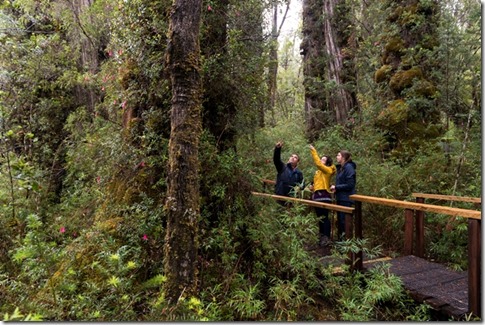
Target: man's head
294, 160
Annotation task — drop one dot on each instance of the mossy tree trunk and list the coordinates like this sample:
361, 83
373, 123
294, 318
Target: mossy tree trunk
181, 242
410, 115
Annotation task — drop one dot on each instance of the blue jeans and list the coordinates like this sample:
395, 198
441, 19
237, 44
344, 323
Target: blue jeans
341, 218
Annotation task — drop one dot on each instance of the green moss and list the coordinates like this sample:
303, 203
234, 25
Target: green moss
383, 73
404, 79
395, 44
394, 16
425, 88
395, 113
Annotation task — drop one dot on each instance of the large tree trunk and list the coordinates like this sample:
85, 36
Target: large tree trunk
340, 100
183, 186
327, 64
410, 116
312, 49
219, 108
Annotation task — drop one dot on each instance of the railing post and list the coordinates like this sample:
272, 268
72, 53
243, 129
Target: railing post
474, 267
349, 232
358, 233
419, 230
408, 231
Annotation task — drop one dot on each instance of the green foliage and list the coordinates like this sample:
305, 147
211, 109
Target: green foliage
375, 295
83, 154
17, 316
244, 300
288, 298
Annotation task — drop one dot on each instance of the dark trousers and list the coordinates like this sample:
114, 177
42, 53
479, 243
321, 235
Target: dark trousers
324, 224
341, 218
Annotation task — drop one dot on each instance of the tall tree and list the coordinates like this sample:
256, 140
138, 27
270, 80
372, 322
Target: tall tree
312, 49
328, 64
273, 58
338, 33
219, 97
183, 57
408, 75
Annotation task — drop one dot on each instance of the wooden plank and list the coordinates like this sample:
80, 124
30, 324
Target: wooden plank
473, 214
448, 197
433, 283
367, 263
329, 206
435, 303
268, 181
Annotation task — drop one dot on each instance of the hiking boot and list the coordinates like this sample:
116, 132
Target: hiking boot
325, 241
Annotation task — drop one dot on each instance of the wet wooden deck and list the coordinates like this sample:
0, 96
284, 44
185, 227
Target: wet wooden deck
445, 290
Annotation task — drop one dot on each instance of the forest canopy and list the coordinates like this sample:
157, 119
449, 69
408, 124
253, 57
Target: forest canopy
128, 154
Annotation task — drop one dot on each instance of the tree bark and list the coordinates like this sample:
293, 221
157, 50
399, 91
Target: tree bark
181, 242
312, 49
340, 100
219, 108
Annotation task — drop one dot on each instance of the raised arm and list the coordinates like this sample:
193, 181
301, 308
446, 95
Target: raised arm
277, 157
316, 159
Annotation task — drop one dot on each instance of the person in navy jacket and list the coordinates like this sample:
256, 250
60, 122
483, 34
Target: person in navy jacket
288, 175
345, 181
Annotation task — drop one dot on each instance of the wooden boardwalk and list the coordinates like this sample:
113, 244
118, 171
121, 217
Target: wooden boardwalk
445, 290
456, 295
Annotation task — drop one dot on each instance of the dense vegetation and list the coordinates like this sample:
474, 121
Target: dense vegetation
85, 104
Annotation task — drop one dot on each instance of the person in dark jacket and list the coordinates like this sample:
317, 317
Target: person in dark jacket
345, 181
288, 175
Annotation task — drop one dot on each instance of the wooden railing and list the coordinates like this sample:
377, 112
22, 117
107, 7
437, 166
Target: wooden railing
414, 220
349, 224
414, 216
475, 200
474, 244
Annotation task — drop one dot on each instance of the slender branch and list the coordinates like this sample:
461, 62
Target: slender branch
283, 20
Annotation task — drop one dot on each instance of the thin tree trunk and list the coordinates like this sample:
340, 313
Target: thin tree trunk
273, 59
182, 204
273, 63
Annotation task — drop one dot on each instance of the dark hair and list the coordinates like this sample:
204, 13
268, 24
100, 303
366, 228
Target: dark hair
346, 155
329, 161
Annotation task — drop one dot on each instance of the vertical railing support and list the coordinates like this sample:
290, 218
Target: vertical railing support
474, 267
408, 231
358, 233
349, 233
419, 251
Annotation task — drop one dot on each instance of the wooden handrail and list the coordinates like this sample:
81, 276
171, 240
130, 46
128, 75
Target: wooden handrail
448, 197
354, 259
472, 214
414, 211
317, 204
268, 181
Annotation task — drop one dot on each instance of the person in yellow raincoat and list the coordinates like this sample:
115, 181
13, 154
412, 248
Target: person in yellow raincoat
321, 193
